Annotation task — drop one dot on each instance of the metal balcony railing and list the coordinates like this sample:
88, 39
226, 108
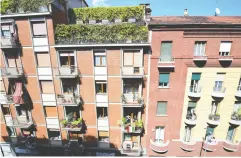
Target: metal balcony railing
195, 89
66, 72
219, 89
166, 59
68, 99
131, 99
132, 71
13, 72
9, 42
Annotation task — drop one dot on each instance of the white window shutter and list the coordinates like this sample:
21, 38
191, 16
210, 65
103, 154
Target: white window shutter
137, 59
225, 47
128, 58
220, 77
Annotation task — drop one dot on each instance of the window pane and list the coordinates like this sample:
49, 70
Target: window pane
97, 60
199, 49
43, 59
137, 59
230, 134
166, 51
6, 33
39, 28
161, 108
159, 134
128, 58
103, 60
47, 86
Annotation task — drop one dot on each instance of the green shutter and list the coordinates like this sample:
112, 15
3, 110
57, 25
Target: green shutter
161, 108
209, 131
196, 76
192, 104
164, 78
166, 51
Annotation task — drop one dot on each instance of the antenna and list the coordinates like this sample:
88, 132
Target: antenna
217, 11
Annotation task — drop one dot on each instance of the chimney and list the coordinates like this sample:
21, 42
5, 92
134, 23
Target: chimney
185, 12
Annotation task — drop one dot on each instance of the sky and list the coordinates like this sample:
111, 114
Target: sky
176, 7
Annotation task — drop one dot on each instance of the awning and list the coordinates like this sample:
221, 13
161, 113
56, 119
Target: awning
17, 96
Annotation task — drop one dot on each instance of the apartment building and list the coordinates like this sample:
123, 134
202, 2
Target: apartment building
194, 96
89, 95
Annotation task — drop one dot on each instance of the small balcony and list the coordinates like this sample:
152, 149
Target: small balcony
13, 72
213, 119
132, 72
188, 146
218, 92
165, 62
74, 125
68, 100
225, 58
66, 72
22, 122
238, 93
6, 99
9, 42
191, 119
194, 92
230, 146
200, 58
210, 146
235, 119
131, 125
129, 149
103, 124
159, 147
131, 100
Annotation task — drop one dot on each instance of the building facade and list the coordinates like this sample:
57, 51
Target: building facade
194, 86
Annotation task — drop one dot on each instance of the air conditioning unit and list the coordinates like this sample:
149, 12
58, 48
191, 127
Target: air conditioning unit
127, 145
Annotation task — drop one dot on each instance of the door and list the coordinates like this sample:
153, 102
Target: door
166, 54
230, 134
187, 137
159, 134
194, 82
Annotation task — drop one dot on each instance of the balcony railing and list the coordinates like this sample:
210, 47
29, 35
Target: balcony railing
230, 146
225, 58
235, 119
132, 72
159, 147
6, 99
74, 125
210, 146
191, 119
128, 149
166, 62
13, 72
66, 72
68, 100
213, 119
130, 100
7, 42
200, 58
219, 92
195, 91
188, 146
131, 125
22, 122
238, 93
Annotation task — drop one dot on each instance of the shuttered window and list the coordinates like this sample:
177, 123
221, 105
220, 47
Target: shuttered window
161, 108
196, 76
132, 58
47, 87
225, 48
39, 28
166, 51
199, 49
50, 111
159, 137
164, 79
43, 59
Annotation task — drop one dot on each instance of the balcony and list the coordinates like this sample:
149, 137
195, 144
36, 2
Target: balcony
66, 72
225, 58
210, 146
21, 122
131, 100
159, 147
131, 125
235, 119
129, 149
68, 100
13, 72
230, 146
191, 119
194, 92
188, 146
218, 92
101, 98
213, 119
238, 93
166, 62
6, 99
200, 58
74, 125
7, 42
132, 72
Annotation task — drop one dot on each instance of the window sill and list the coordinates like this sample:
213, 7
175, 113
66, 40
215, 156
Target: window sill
101, 93
100, 65
163, 87
161, 115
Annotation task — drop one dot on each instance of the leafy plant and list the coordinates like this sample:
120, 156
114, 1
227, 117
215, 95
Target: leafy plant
8, 5
139, 124
214, 117
64, 122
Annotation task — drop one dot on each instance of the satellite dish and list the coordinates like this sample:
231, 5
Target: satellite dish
217, 11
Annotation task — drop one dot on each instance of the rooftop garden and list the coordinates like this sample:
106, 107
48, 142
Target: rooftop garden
107, 13
116, 33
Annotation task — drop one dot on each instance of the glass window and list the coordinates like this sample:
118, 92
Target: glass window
43, 59
102, 112
166, 51
161, 108
72, 113
67, 59
230, 134
6, 31
101, 87
54, 135
39, 28
225, 48
6, 110
164, 79
159, 134
69, 86
131, 87
100, 60
199, 49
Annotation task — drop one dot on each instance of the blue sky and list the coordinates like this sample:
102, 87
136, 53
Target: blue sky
176, 7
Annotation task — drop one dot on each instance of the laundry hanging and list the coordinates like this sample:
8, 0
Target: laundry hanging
17, 96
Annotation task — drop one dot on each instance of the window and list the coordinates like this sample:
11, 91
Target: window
161, 108
72, 113
209, 133
159, 134
103, 136
194, 82
6, 110
13, 59
131, 86
166, 51
21, 111
134, 138
11, 131
132, 58
43, 59
237, 106
214, 107
100, 59
39, 29
47, 87
219, 81
187, 137
225, 48
131, 113
102, 112
69, 86
6, 31
50, 111
67, 59
54, 134
230, 134
191, 115
199, 49
164, 80
100, 87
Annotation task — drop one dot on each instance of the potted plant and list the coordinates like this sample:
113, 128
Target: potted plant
139, 124
118, 20
64, 123
105, 21
132, 20
79, 21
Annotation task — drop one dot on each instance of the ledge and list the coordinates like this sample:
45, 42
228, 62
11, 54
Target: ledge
103, 45
24, 14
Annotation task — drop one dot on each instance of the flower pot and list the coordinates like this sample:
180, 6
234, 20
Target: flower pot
79, 22
63, 125
118, 20
68, 125
92, 21
105, 21
132, 20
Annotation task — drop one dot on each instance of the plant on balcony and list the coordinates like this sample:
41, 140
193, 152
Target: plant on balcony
236, 115
64, 123
118, 33
123, 98
140, 100
76, 123
214, 117
122, 122
139, 124
106, 13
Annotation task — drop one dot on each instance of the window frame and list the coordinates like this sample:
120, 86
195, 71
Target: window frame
199, 45
101, 61
101, 83
101, 113
163, 84
165, 108
161, 128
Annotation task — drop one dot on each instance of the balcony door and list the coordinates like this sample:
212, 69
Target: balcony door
230, 134
72, 113
69, 87
12, 59
131, 87
214, 107
67, 59
159, 138
195, 82
219, 81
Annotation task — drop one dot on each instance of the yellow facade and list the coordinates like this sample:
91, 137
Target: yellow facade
204, 104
